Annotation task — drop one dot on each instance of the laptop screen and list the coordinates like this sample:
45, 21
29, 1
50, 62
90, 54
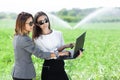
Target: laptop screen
79, 44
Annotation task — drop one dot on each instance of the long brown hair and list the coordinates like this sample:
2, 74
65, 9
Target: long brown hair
20, 23
37, 31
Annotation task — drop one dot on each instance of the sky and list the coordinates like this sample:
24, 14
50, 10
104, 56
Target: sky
34, 6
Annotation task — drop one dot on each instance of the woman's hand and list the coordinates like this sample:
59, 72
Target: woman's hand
80, 53
60, 54
71, 45
65, 53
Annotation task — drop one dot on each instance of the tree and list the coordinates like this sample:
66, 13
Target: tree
3, 15
13, 15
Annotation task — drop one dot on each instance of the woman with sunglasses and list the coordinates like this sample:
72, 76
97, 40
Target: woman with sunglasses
24, 47
49, 40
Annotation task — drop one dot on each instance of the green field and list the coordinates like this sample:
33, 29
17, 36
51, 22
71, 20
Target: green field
100, 60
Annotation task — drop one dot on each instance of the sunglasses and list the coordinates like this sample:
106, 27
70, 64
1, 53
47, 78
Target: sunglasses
43, 21
30, 23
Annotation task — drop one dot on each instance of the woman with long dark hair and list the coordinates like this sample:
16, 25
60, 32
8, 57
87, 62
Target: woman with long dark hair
49, 40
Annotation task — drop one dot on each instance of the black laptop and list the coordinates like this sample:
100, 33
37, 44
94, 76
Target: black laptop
79, 44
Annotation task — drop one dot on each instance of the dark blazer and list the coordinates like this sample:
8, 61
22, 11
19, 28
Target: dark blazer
24, 47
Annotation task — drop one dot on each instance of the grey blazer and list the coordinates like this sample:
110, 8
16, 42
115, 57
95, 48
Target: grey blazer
23, 49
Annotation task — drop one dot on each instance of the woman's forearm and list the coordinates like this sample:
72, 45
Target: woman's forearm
71, 45
61, 48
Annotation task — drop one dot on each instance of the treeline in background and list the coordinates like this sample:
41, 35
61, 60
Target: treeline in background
74, 15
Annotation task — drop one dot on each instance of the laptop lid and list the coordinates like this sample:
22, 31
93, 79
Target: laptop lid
79, 44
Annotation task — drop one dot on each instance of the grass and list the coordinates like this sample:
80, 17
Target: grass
100, 60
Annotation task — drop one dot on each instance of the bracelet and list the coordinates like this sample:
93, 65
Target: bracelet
56, 53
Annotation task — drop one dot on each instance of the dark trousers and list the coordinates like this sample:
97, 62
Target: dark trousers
53, 70
20, 79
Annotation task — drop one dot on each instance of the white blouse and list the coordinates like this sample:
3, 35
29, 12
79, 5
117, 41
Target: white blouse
50, 42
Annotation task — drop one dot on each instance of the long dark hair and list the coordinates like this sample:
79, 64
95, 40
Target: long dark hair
20, 23
37, 31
